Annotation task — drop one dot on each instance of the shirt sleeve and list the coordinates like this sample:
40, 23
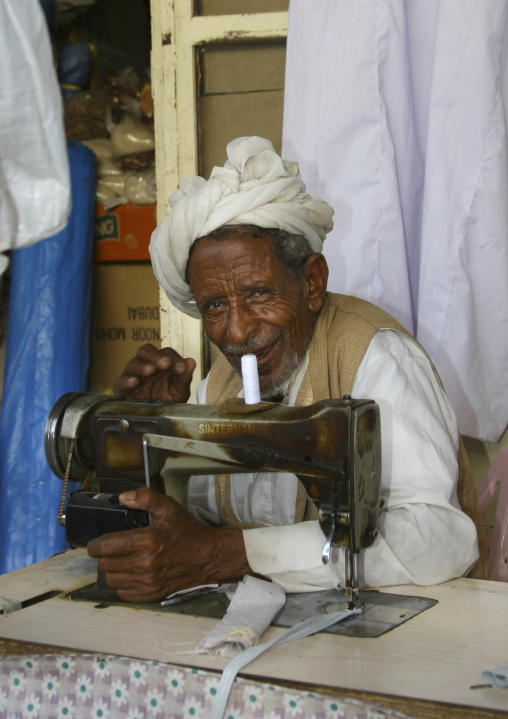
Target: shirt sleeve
423, 536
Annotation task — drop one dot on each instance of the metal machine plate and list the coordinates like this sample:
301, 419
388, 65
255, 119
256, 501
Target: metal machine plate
383, 612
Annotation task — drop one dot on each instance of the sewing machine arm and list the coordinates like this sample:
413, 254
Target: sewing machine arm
332, 446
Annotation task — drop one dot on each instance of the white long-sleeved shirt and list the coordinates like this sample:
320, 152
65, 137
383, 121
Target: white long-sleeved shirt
423, 536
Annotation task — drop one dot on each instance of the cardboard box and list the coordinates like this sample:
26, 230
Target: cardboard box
123, 233
226, 117
125, 316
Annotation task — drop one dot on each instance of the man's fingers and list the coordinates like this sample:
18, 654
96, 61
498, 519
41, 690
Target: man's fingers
140, 367
132, 587
162, 359
134, 596
155, 503
111, 545
156, 374
180, 381
184, 367
129, 382
166, 359
118, 544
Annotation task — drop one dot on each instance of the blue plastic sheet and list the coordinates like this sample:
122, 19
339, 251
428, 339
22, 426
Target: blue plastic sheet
47, 355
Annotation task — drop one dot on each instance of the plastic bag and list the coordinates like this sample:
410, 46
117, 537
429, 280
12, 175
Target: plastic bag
34, 172
101, 146
47, 356
140, 187
130, 136
116, 183
105, 195
107, 167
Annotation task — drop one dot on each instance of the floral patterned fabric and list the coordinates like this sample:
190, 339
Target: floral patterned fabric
107, 687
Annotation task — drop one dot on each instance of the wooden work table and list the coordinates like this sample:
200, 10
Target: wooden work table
438, 656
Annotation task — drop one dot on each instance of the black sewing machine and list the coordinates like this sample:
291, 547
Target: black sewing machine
333, 447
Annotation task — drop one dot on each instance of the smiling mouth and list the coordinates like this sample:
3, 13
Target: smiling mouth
264, 353
264, 357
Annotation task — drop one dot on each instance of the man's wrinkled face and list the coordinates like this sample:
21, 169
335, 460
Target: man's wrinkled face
250, 303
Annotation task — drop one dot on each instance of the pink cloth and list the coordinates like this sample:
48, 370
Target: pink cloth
498, 551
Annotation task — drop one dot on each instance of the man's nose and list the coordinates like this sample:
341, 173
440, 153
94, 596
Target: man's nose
241, 323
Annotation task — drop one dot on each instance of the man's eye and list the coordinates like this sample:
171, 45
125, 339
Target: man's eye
214, 306
260, 293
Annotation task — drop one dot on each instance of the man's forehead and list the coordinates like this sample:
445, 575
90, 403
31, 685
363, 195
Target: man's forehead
244, 261
233, 246
249, 233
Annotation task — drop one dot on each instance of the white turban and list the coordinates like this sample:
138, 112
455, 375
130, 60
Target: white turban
255, 187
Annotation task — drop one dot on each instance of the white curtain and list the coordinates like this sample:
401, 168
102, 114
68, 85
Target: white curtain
397, 114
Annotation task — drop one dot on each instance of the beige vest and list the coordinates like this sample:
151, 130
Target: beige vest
342, 334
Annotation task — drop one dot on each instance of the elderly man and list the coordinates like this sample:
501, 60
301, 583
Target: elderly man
243, 251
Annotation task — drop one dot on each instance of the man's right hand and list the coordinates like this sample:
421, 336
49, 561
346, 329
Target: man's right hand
156, 374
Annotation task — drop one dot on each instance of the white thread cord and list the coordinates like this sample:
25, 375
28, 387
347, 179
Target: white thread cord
250, 379
300, 630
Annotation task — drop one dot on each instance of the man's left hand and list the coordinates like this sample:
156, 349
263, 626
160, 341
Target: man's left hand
175, 552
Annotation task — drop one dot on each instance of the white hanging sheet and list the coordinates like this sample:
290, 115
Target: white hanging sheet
34, 173
396, 112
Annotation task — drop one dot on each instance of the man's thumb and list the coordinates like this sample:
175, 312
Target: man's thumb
146, 499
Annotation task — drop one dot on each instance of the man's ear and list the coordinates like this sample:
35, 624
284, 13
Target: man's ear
316, 281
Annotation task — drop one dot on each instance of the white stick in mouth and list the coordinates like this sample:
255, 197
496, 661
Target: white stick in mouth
250, 379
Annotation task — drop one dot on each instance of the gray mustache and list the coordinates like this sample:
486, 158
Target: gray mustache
236, 351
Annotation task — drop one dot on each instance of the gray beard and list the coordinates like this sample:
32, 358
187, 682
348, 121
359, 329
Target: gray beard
275, 391
279, 390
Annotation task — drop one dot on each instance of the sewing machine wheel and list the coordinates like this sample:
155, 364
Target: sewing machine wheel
57, 444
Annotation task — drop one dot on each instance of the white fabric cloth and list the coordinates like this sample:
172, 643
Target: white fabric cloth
424, 538
35, 192
395, 112
255, 187
497, 677
254, 605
